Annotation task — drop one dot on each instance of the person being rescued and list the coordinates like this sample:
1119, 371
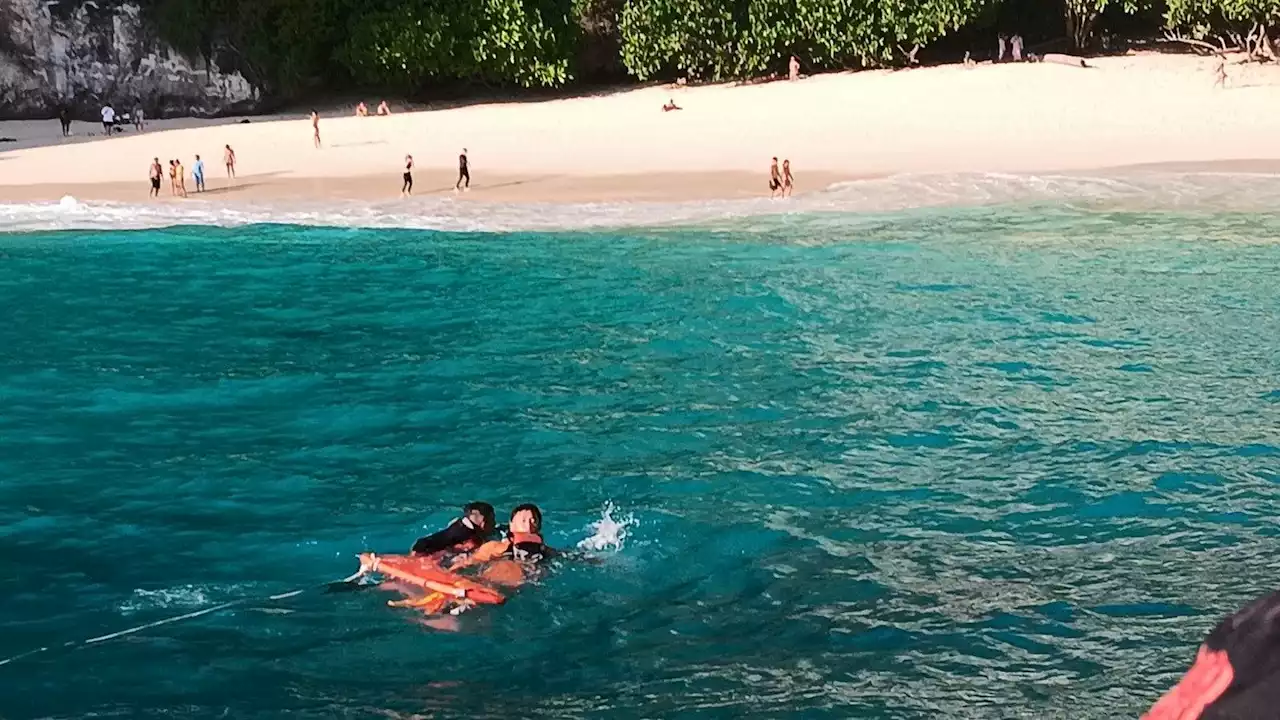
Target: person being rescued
514, 559
464, 534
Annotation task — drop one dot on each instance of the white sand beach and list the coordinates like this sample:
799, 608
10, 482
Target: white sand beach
1136, 110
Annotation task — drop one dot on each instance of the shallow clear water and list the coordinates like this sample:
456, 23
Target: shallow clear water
1008, 462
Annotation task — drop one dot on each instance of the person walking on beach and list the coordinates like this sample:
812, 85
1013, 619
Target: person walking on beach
157, 172
1000, 48
407, 187
173, 177
180, 173
108, 118
139, 122
464, 172
315, 125
229, 158
197, 174
775, 179
1015, 47
788, 182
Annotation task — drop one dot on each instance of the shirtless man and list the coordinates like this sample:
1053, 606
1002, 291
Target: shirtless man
157, 172
229, 158
315, 125
775, 179
795, 68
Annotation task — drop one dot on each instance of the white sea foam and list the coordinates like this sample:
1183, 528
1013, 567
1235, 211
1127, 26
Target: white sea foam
608, 533
182, 596
1189, 191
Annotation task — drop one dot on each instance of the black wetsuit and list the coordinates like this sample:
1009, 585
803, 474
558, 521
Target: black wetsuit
460, 536
1236, 675
464, 172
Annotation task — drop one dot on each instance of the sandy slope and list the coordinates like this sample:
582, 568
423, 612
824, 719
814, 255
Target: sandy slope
1006, 118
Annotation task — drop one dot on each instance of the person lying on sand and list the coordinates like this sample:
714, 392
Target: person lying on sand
671, 105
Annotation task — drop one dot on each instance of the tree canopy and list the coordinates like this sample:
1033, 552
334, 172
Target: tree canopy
295, 47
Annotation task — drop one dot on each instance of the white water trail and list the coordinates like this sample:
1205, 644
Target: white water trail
608, 533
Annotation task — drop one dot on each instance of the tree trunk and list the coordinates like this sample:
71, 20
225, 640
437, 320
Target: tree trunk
1080, 18
1265, 47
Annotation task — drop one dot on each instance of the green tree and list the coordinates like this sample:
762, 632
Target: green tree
1248, 24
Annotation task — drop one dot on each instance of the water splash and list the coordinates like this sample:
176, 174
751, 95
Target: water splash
608, 533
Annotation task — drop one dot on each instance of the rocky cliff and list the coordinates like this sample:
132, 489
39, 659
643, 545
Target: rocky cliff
52, 54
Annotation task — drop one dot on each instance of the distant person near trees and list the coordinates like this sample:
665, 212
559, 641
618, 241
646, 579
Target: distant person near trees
794, 68
64, 117
315, 125
108, 118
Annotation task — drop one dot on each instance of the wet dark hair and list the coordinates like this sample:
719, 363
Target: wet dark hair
537, 515
486, 511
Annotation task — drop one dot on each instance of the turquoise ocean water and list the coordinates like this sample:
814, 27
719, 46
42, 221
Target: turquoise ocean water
981, 463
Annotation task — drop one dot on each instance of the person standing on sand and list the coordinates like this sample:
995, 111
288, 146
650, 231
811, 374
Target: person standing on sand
139, 123
197, 174
1015, 46
407, 187
64, 117
173, 177
794, 68
775, 179
108, 118
1000, 54
157, 172
464, 172
180, 173
315, 125
229, 158
788, 182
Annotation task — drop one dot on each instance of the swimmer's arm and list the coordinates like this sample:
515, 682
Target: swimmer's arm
484, 553
436, 542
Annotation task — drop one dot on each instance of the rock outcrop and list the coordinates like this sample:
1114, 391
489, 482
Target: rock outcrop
53, 55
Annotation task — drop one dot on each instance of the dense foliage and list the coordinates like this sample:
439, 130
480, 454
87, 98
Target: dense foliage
293, 47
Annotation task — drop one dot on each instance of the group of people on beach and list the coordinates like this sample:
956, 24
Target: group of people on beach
464, 175
781, 182
178, 174
362, 110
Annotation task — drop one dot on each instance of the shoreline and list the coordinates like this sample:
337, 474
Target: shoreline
437, 183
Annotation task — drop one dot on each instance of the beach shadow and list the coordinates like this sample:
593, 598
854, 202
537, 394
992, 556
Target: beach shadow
224, 190
514, 183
